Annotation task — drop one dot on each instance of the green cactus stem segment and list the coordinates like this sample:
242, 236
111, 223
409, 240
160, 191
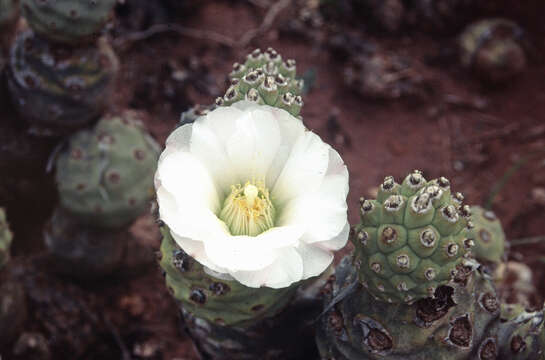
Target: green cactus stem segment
248, 209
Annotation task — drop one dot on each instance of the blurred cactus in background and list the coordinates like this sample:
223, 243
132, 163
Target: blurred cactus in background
12, 297
67, 21
493, 49
105, 176
105, 181
488, 236
9, 12
68, 87
5, 239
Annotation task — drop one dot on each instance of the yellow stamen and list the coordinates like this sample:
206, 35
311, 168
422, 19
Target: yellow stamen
248, 209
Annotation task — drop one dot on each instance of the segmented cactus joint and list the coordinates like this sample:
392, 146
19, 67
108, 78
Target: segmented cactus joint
412, 239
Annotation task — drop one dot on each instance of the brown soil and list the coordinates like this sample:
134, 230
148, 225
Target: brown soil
470, 133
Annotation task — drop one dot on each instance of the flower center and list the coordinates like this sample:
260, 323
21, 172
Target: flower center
248, 210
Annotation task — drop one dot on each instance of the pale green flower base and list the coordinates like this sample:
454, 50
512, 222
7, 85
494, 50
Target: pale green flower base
228, 320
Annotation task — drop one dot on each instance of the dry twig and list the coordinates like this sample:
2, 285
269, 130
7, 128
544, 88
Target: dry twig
126, 41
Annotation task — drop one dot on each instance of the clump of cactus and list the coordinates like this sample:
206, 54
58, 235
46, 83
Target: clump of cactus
6, 238
229, 317
228, 320
408, 297
493, 49
488, 236
67, 21
265, 78
105, 181
59, 89
412, 239
384, 75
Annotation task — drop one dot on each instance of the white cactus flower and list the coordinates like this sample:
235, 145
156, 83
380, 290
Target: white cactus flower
249, 193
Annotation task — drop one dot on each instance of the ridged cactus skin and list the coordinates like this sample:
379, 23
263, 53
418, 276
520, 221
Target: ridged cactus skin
266, 79
6, 237
59, 89
229, 321
494, 49
488, 236
105, 175
81, 251
450, 326
67, 21
412, 239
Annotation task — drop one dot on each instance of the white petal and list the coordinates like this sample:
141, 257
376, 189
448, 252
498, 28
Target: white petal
315, 260
206, 146
195, 223
185, 177
284, 271
324, 211
253, 145
222, 121
179, 139
337, 242
304, 169
291, 129
336, 166
246, 105
195, 249
251, 253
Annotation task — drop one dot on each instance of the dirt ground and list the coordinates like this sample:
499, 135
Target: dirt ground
474, 134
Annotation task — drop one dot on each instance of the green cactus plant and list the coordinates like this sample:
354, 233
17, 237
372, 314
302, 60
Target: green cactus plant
488, 236
267, 79
105, 176
228, 320
6, 238
59, 89
411, 239
494, 49
67, 21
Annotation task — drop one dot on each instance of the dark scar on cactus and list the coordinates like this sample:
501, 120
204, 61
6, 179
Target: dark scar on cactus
517, 344
198, 296
180, 260
461, 331
488, 350
489, 302
219, 288
430, 309
374, 334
